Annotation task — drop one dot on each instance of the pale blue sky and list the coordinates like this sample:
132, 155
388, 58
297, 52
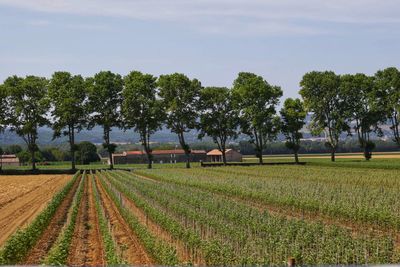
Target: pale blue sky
211, 40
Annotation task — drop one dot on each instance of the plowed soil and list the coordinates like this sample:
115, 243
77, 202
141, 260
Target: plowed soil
49, 236
87, 245
133, 253
23, 197
184, 255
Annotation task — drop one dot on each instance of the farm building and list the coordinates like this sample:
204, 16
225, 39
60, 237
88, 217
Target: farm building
159, 156
9, 160
231, 156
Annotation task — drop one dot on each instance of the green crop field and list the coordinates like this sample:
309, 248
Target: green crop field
347, 212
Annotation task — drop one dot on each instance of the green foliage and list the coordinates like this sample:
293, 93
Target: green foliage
141, 109
256, 100
163, 253
112, 257
293, 117
387, 98
87, 153
180, 97
58, 254
219, 119
13, 149
18, 245
236, 233
28, 106
67, 94
104, 101
361, 109
321, 94
4, 109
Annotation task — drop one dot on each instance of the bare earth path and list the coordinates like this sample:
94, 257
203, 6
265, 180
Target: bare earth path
49, 236
183, 253
87, 246
134, 253
23, 197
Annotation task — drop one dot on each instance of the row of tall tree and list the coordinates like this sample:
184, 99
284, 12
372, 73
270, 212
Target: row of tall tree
142, 102
354, 104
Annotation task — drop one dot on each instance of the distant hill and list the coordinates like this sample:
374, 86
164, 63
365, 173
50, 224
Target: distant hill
95, 136
120, 136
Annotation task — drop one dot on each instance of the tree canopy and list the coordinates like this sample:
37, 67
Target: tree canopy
256, 101
104, 101
68, 94
321, 94
141, 109
293, 117
28, 108
219, 119
387, 95
180, 97
362, 116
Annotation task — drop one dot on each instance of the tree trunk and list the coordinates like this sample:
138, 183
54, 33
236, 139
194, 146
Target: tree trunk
333, 155
110, 158
224, 157
33, 159
72, 147
187, 159
150, 160
296, 157
260, 159
185, 147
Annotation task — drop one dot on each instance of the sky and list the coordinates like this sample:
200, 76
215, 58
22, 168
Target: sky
211, 40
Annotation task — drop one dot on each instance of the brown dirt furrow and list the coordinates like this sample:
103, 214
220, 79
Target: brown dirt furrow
184, 255
356, 228
132, 250
17, 214
22, 194
50, 235
87, 245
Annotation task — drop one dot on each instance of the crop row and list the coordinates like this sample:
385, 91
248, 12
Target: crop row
19, 244
162, 252
252, 237
59, 252
355, 195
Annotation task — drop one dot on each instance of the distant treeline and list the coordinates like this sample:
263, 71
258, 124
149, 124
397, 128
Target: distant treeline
354, 104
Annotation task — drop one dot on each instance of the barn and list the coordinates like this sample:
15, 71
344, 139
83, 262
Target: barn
9, 160
159, 156
232, 155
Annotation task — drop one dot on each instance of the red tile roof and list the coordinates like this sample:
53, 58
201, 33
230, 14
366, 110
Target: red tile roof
9, 159
164, 152
216, 152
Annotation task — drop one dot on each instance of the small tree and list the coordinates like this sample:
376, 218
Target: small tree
219, 119
180, 97
13, 149
256, 101
321, 94
87, 153
387, 96
357, 91
293, 117
28, 109
68, 94
141, 109
104, 101
4, 109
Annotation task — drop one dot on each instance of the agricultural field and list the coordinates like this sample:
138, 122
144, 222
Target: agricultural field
213, 216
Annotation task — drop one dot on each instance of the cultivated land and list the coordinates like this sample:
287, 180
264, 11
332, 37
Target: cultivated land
23, 197
319, 213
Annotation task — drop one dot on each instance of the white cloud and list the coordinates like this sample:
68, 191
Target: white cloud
258, 16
